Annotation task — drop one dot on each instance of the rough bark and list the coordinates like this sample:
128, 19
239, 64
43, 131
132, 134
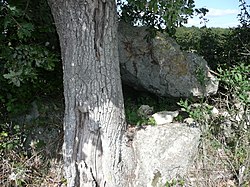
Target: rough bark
94, 112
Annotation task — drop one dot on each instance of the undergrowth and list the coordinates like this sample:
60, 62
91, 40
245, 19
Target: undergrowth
29, 157
133, 100
224, 120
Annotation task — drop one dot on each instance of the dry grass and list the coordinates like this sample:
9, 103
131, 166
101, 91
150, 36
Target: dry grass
34, 171
224, 152
34, 168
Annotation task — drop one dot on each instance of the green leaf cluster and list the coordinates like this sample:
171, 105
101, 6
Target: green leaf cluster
244, 15
207, 42
198, 111
11, 138
236, 82
29, 55
158, 14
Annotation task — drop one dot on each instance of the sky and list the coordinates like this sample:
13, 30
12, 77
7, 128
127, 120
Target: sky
222, 13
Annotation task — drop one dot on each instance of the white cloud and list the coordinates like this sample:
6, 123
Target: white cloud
223, 18
193, 21
213, 12
213, 23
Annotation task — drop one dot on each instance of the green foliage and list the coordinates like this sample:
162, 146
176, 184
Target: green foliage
201, 75
218, 46
237, 47
236, 82
11, 139
158, 14
134, 101
244, 15
199, 112
29, 63
175, 182
188, 38
227, 131
207, 42
22, 165
22, 63
30, 68
132, 117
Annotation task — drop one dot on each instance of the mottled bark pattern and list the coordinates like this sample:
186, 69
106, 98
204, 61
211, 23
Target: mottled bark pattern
94, 119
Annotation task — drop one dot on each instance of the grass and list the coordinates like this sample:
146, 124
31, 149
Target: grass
29, 157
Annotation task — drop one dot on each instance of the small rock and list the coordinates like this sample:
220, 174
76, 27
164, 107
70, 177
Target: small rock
164, 117
215, 112
145, 111
189, 121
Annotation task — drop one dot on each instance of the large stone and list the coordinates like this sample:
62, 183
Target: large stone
160, 67
163, 153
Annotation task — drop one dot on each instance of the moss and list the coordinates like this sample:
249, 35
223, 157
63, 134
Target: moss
156, 179
179, 66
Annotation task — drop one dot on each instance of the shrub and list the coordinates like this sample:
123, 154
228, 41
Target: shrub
29, 65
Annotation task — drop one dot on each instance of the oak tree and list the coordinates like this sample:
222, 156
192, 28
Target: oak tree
94, 122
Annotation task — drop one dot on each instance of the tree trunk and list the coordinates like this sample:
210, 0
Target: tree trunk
94, 113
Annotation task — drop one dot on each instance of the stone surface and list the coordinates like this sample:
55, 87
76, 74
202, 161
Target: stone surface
164, 117
215, 112
160, 67
163, 152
